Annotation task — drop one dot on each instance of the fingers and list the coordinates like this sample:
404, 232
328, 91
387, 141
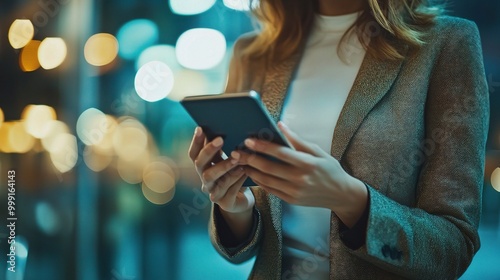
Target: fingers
286, 155
207, 154
265, 179
210, 175
196, 144
232, 180
278, 169
298, 143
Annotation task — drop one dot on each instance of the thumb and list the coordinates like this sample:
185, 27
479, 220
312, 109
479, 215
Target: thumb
298, 143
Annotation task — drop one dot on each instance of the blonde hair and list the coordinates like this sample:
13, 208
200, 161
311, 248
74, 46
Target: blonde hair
284, 25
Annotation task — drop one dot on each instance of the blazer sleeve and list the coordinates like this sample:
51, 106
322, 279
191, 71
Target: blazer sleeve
220, 235
438, 238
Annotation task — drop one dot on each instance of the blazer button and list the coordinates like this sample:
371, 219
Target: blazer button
386, 250
394, 253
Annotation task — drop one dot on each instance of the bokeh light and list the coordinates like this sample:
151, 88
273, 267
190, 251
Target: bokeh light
105, 146
91, 126
4, 137
495, 179
51, 130
240, 5
2, 118
162, 53
130, 172
101, 49
135, 36
159, 181
130, 140
35, 117
20, 33
200, 48
96, 161
154, 81
65, 156
28, 59
52, 53
20, 140
158, 198
190, 7
188, 82
47, 218
163, 164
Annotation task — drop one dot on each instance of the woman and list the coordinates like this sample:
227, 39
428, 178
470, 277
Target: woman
387, 107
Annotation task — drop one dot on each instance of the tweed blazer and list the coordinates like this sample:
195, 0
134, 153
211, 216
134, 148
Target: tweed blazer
414, 131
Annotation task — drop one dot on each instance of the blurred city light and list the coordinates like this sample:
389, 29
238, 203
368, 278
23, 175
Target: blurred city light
135, 36
105, 146
52, 53
2, 117
130, 172
20, 140
190, 7
92, 126
96, 161
65, 155
240, 5
163, 164
35, 118
130, 140
52, 129
20, 33
154, 81
28, 59
159, 181
101, 49
47, 218
162, 53
159, 198
188, 82
4, 137
495, 179
200, 48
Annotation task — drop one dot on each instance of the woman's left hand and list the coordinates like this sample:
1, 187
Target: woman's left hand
307, 176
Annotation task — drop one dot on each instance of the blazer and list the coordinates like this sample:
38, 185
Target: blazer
414, 131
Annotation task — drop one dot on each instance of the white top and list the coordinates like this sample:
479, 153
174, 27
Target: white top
312, 107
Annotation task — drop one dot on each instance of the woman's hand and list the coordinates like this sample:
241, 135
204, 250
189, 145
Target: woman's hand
221, 179
306, 176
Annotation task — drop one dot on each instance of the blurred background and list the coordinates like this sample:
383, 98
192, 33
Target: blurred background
90, 123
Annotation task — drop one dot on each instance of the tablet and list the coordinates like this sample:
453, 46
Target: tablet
234, 117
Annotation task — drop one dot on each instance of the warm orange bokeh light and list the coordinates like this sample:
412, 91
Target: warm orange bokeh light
101, 49
28, 59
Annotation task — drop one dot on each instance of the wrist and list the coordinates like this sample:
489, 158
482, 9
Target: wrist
355, 201
239, 223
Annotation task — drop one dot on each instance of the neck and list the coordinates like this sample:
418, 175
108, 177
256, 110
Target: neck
340, 7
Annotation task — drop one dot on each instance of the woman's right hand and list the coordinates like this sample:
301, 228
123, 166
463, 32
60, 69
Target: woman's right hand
221, 179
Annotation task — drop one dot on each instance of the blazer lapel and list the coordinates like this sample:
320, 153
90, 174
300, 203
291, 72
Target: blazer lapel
276, 82
373, 81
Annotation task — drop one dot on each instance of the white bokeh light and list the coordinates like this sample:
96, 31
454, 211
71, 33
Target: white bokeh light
240, 5
495, 179
154, 81
188, 82
190, 7
91, 126
52, 53
162, 53
200, 48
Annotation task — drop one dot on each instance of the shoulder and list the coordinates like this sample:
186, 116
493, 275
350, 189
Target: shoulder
450, 29
244, 41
